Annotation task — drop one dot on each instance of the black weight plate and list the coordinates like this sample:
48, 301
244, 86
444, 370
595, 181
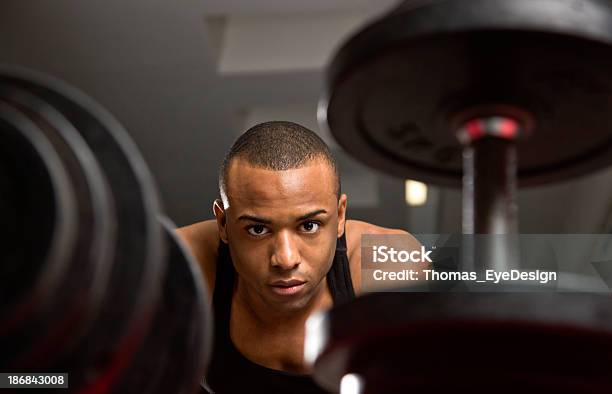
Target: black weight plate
138, 266
91, 259
398, 90
40, 230
176, 351
536, 342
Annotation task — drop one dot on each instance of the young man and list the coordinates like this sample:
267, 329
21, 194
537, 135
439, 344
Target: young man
279, 250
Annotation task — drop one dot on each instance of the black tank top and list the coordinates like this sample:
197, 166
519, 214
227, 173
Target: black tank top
230, 371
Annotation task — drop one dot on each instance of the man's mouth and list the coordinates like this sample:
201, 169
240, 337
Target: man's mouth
287, 287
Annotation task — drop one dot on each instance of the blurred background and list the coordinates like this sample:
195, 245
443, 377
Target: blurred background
186, 77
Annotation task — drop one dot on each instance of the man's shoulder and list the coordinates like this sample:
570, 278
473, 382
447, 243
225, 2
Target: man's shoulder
360, 228
200, 230
354, 229
202, 239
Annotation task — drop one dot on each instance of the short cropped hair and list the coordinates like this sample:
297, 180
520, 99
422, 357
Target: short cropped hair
277, 146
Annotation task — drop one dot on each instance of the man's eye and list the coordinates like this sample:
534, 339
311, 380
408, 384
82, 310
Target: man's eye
310, 227
258, 230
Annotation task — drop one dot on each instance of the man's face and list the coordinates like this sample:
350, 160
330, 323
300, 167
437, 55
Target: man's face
282, 227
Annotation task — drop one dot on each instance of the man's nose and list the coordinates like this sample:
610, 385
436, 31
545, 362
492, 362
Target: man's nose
286, 255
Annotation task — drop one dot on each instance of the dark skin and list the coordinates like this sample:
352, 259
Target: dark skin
281, 228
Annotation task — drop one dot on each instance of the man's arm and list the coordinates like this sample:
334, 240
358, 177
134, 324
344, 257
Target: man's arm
202, 239
354, 230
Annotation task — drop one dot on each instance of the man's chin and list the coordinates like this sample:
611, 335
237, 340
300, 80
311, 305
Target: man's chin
287, 301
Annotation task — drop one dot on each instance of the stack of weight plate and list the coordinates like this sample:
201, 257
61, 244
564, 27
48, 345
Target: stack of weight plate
93, 281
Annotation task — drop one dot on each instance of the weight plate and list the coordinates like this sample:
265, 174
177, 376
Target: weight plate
138, 266
176, 351
552, 342
41, 221
399, 89
90, 263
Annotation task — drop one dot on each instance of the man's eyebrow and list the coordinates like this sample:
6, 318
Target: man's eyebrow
258, 219
311, 214
253, 218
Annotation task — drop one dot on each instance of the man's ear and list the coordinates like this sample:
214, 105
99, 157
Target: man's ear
341, 214
221, 217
